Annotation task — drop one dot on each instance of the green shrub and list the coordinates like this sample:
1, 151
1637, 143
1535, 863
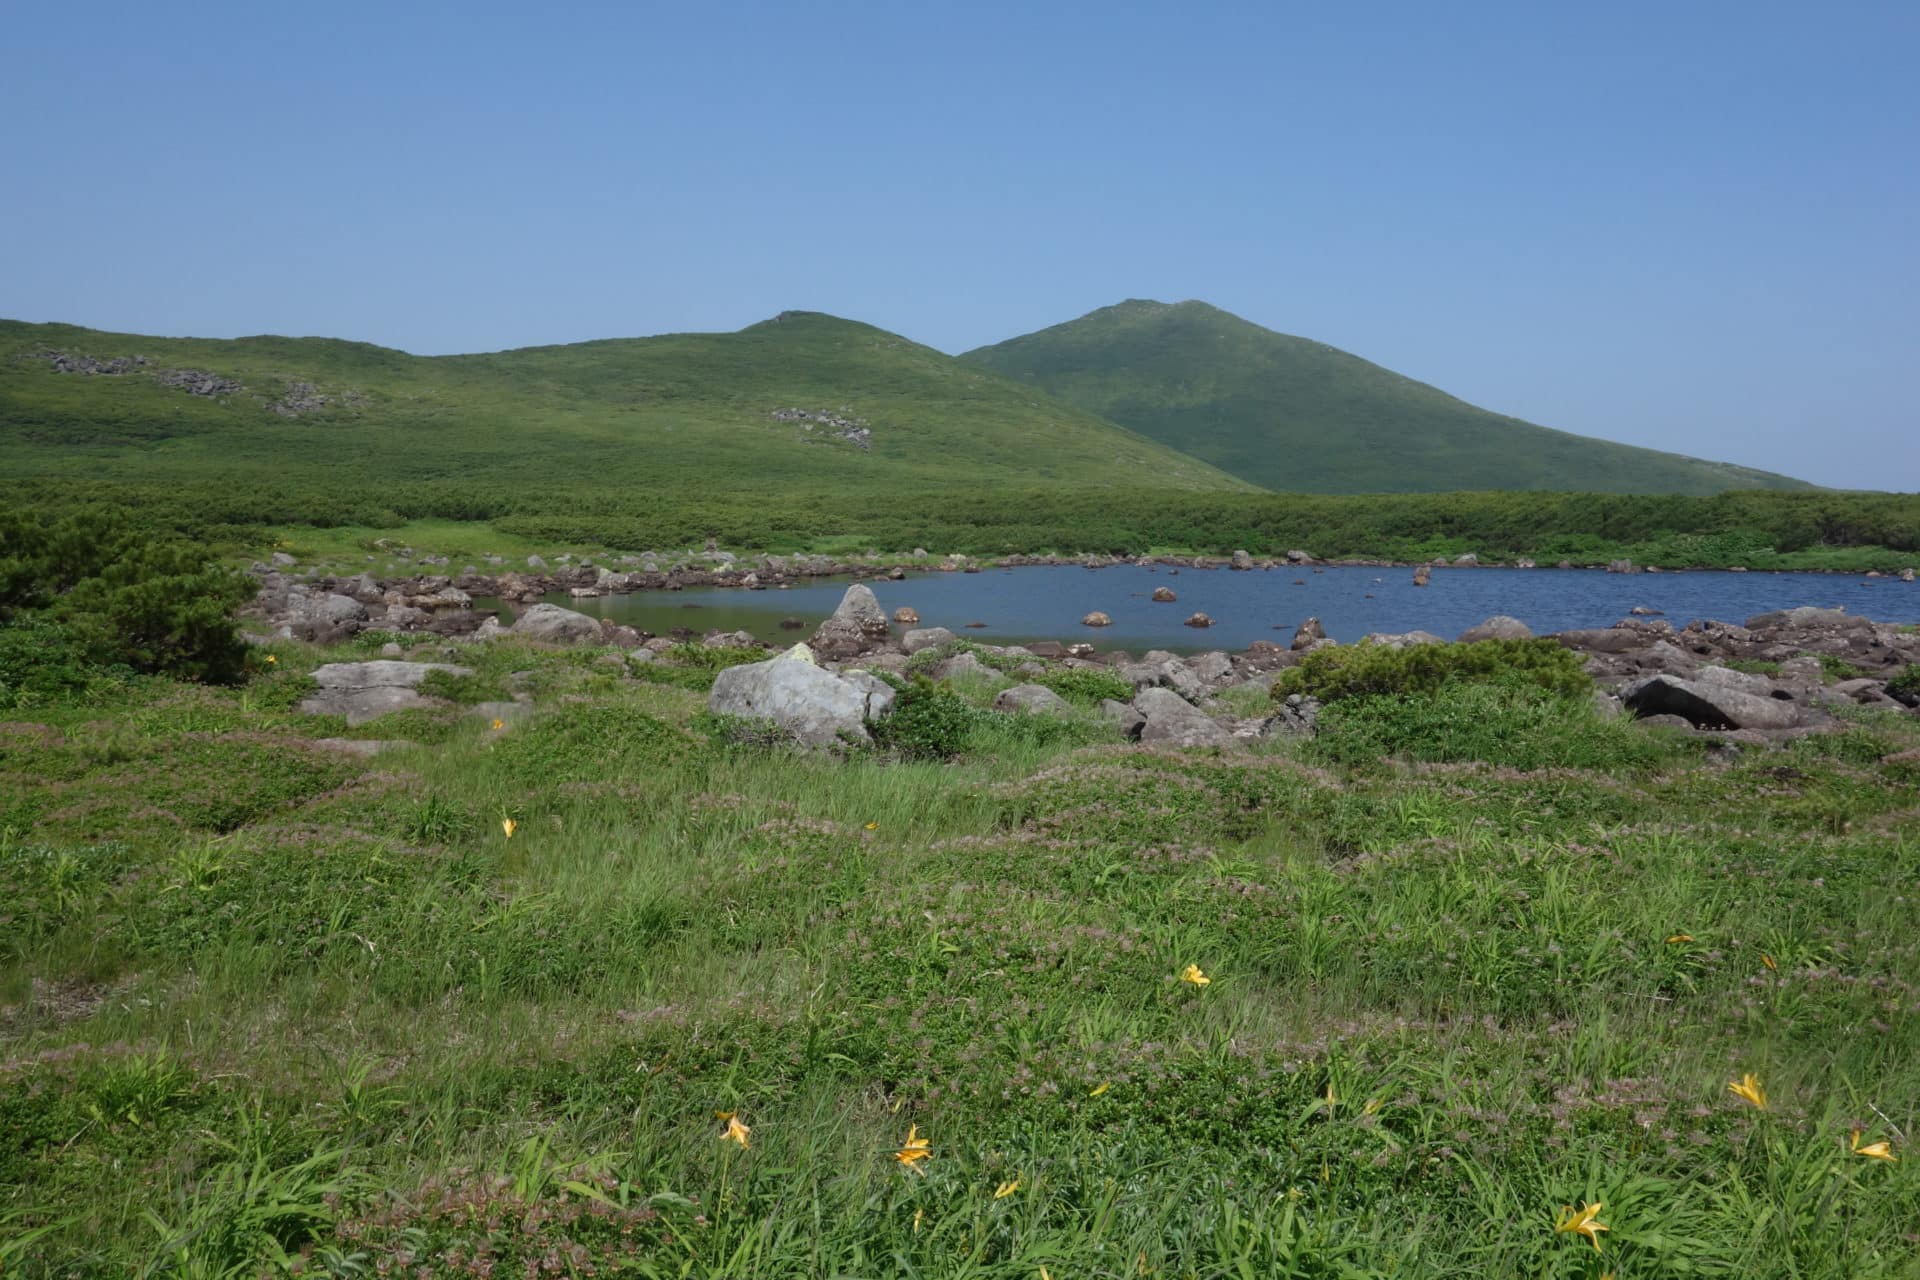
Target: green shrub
43, 662
1906, 686
1503, 723
1364, 670
929, 722
1086, 685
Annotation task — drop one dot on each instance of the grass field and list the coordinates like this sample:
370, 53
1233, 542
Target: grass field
266, 1007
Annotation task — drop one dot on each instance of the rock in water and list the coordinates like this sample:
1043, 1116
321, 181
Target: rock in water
1198, 620
554, 625
859, 606
907, 616
1309, 634
1096, 619
813, 705
1164, 595
1422, 575
1498, 627
1241, 560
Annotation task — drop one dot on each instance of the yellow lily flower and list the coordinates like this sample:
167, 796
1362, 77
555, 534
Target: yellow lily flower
509, 826
1749, 1088
272, 658
1331, 1099
873, 826
1881, 1150
1193, 974
1006, 1189
1100, 1088
914, 1149
1586, 1222
736, 1132
499, 724
1679, 937
1767, 960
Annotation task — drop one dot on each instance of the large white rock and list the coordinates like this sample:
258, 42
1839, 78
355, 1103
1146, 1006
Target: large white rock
1036, 698
554, 625
813, 705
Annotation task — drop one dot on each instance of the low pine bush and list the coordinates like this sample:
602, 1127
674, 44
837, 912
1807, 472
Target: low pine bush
1363, 670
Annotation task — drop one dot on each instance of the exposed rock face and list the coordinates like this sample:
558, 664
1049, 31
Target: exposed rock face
1171, 719
551, 624
1164, 595
1499, 627
1299, 715
363, 691
1035, 698
1309, 634
812, 705
1198, 620
926, 638
1096, 619
1710, 703
1241, 560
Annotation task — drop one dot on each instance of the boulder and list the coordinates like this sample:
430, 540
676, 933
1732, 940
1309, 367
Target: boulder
1467, 559
1211, 667
1621, 566
1036, 698
860, 607
1309, 634
1422, 575
1240, 560
1164, 595
339, 611
282, 559
926, 638
907, 616
964, 666
1298, 557
839, 639
1125, 716
1709, 704
1171, 719
363, 691
1498, 627
810, 704
1299, 715
1401, 639
1603, 640
1806, 616
551, 624
1096, 619
1198, 620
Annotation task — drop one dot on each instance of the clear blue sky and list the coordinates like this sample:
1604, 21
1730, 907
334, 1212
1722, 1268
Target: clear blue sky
1688, 225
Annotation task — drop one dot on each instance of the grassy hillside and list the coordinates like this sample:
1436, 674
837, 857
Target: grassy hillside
1299, 416
649, 415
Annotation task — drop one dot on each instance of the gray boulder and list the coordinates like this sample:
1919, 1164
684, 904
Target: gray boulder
812, 705
1240, 560
1171, 719
860, 607
1125, 716
1709, 704
1299, 557
926, 638
1211, 667
363, 691
1309, 634
1401, 639
1031, 698
551, 624
964, 666
1807, 616
1498, 627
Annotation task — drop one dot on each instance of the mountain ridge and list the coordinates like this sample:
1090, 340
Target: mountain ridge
1294, 414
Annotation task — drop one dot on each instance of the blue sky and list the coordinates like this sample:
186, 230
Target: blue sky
1691, 226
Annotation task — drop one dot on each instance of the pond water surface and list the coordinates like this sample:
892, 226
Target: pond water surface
1047, 602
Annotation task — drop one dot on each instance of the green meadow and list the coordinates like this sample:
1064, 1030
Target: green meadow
607, 990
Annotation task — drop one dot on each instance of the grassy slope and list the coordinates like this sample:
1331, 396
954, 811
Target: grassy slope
243, 974
1295, 415
648, 414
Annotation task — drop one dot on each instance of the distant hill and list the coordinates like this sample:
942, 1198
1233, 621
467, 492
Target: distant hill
803, 400
1296, 415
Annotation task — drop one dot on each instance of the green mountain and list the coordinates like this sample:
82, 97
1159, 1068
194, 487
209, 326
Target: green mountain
1296, 415
805, 401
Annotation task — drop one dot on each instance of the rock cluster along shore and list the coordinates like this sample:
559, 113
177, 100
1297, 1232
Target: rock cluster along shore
827, 689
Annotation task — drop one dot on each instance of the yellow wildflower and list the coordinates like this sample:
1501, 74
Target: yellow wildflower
1331, 1099
1881, 1150
1749, 1087
1006, 1189
735, 1131
1372, 1106
873, 826
509, 826
1194, 975
1100, 1088
1679, 937
1767, 960
272, 658
499, 724
914, 1149
1586, 1222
